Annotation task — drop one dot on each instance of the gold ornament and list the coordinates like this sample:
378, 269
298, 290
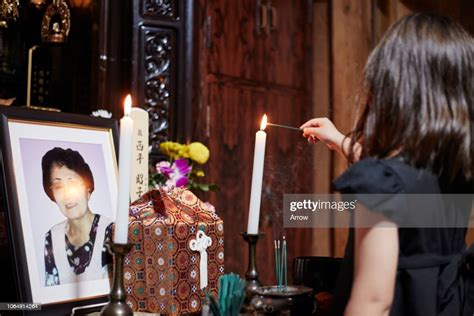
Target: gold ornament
56, 22
8, 11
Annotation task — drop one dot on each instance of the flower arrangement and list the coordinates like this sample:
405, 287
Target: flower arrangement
182, 167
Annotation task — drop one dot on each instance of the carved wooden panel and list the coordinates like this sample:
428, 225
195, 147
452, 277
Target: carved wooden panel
159, 58
160, 9
162, 66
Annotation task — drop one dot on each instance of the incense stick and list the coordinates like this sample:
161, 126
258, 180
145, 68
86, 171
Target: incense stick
281, 271
279, 263
276, 262
284, 264
285, 126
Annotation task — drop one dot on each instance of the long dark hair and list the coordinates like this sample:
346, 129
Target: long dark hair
418, 97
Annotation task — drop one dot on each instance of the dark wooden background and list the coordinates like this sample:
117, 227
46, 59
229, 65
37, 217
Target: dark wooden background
310, 65
221, 73
245, 72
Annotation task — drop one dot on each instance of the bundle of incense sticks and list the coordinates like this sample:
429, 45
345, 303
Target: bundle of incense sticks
280, 264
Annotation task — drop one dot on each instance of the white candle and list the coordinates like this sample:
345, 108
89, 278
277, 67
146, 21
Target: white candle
257, 177
125, 161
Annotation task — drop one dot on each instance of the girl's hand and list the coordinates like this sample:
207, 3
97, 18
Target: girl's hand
322, 129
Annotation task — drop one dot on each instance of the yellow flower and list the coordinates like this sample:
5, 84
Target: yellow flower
166, 148
173, 150
200, 173
198, 152
176, 149
184, 152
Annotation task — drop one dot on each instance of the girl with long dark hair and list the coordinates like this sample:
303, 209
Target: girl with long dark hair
413, 136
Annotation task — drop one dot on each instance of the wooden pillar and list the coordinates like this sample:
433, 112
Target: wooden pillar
351, 43
322, 156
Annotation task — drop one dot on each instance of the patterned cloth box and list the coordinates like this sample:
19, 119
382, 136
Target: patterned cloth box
178, 240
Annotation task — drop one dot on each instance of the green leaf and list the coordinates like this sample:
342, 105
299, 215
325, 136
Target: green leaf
203, 187
213, 187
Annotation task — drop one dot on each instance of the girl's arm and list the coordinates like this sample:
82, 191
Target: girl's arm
376, 258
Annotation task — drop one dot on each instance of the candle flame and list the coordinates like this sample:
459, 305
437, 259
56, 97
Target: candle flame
264, 122
128, 104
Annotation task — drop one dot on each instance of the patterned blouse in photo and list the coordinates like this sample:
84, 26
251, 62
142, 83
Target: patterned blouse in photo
78, 257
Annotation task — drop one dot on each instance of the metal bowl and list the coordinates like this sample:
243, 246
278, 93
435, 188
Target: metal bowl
273, 300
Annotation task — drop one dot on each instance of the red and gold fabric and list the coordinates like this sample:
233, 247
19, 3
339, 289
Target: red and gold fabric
162, 273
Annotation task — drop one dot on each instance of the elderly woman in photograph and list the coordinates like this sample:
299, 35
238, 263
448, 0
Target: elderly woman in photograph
74, 248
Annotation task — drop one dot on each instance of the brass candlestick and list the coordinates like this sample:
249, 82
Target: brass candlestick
251, 277
117, 305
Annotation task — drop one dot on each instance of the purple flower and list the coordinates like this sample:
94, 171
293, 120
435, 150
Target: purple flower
182, 165
177, 173
181, 169
164, 167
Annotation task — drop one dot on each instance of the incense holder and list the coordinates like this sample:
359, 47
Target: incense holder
294, 300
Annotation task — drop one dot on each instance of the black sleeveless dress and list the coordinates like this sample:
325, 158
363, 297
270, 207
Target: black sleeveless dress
431, 278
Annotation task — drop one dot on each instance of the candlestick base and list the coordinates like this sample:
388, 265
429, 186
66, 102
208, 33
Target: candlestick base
117, 305
251, 276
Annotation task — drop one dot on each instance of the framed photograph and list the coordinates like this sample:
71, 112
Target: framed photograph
60, 180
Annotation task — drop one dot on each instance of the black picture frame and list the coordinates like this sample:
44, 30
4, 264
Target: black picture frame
16, 266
